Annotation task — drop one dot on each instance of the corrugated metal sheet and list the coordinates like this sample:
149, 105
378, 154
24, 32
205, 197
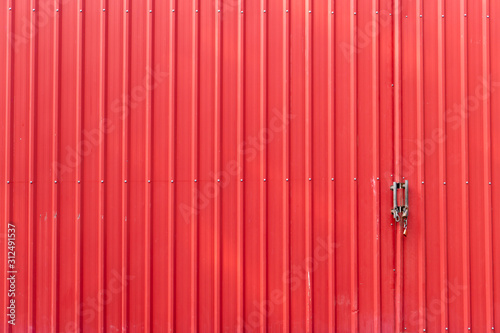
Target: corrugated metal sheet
224, 165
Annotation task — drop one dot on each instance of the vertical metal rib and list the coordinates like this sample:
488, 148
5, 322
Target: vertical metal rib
148, 173
125, 131
55, 159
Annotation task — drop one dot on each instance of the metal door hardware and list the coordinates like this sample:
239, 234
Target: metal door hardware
400, 212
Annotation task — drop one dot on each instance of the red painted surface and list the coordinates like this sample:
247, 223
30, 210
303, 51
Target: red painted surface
224, 165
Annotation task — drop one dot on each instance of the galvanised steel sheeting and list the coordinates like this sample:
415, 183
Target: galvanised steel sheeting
225, 165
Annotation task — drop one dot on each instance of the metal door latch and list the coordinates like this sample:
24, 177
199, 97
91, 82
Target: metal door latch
400, 213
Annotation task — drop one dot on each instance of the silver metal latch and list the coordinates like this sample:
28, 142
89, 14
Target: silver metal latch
400, 213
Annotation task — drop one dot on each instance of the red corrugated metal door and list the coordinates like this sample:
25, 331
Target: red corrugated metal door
225, 165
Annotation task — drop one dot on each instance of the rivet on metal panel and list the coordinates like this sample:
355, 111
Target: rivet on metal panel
406, 16
424, 329
102, 181
420, 15
126, 11
31, 182
378, 178
467, 182
218, 180
197, 10
125, 181
195, 180
149, 180
241, 12
57, 10
354, 13
264, 179
422, 182
81, 10
332, 179
442, 15
8, 182
468, 328
241, 179
287, 179
55, 181
217, 11
490, 183
392, 85
444, 183
310, 11
150, 11
390, 14
394, 271
173, 10
446, 328
287, 10
376, 12
487, 16
264, 10
104, 9
354, 178
33, 9
10, 8
172, 181
78, 182
466, 15
332, 12
310, 179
